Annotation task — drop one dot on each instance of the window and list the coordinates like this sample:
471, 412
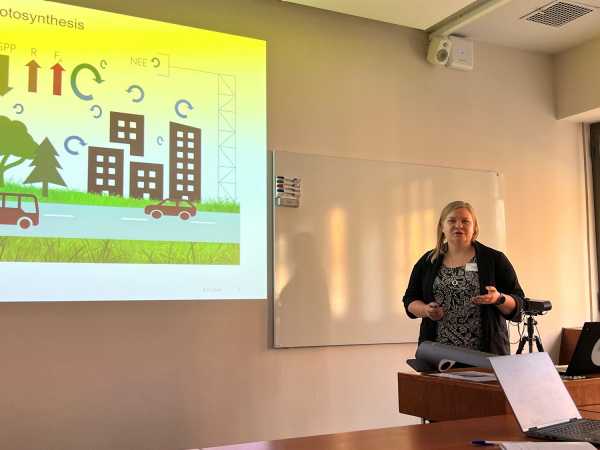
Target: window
180, 187
191, 155
28, 206
112, 182
190, 144
180, 154
180, 165
112, 171
190, 135
140, 184
180, 134
146, 195
152, 185
99, 182
99, 169
121, 134
132, 125
11, 201
132, 136
112, 159
190, 177
180, 176
100, 158
140, 173
179, 144
120, 123
190, 166
190, 188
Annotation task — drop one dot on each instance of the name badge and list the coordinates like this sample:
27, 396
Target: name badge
471, 267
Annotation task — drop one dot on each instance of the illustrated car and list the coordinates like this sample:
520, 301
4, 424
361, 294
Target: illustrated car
171, 207
19, 209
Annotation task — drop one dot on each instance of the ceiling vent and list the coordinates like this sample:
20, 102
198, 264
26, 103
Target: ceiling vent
558, 13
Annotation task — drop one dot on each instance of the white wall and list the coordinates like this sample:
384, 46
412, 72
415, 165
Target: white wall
192, 374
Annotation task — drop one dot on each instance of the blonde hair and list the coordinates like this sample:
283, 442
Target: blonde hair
442, 246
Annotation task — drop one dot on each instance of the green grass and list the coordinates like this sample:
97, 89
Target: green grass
73, 197
64, 250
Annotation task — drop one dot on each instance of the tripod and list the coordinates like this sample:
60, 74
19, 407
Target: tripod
530, 337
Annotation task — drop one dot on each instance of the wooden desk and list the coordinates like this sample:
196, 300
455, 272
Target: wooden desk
436, 398
450, 435
588, 409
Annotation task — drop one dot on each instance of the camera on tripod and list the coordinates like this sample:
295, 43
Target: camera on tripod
536, 307
532, 308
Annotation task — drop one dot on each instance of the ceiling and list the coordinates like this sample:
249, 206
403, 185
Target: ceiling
420, 14
500, 22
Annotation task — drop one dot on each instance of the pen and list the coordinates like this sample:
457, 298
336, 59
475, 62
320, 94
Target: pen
483, 442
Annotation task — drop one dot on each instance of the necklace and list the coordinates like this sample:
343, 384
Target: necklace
457, 261
453, 276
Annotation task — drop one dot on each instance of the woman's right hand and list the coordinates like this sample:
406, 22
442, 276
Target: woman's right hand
433, 311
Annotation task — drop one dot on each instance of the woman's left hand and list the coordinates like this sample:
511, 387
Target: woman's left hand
487, 299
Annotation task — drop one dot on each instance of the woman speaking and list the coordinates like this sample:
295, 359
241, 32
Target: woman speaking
462, 290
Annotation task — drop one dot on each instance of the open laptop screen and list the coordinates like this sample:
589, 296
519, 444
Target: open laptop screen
586, 357
534, 390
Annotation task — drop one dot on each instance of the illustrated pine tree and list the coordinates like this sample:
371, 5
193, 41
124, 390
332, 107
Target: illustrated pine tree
46, 167
16, 145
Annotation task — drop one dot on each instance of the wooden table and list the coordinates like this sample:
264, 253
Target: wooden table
449, 435
436, 398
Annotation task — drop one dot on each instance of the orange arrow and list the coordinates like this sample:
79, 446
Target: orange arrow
33, 75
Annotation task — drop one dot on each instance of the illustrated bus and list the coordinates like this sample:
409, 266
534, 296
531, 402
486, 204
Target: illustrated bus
19, 209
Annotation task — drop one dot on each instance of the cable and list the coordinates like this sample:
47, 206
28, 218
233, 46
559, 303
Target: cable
518, 327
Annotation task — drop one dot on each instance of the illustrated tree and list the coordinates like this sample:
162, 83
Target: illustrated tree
16, 145
46, 167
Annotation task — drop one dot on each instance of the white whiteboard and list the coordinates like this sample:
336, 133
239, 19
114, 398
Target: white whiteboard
342, 260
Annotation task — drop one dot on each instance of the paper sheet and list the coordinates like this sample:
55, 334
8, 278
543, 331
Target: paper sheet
546, 446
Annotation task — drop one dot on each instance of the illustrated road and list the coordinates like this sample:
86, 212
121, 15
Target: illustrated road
107, 222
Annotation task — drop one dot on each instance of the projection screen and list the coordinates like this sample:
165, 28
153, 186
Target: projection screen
132, 158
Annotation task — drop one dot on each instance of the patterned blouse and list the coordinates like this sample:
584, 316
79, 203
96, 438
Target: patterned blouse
453, 289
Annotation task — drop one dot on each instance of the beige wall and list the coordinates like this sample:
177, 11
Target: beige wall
173, 375
577, 89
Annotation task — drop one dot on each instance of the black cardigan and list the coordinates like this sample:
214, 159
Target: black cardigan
494, 269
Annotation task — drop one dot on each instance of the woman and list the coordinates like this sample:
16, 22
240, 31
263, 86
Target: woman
462, 290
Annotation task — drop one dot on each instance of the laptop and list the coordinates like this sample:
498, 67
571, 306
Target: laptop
586, 356
540, 401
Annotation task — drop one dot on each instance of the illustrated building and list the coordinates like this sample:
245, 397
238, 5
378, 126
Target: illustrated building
105, 170
128, 129
146, 180
184, 162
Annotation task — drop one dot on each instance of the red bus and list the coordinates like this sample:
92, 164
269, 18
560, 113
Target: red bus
19, 209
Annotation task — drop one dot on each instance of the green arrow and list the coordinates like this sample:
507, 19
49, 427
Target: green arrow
4, 75
97, 78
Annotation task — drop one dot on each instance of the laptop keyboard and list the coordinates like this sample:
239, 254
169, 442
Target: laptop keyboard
580, 430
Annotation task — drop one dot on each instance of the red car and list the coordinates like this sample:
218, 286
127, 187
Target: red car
171, 207
19, 209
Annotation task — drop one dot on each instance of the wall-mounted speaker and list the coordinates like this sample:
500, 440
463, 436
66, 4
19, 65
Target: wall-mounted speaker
461, 54
439, 50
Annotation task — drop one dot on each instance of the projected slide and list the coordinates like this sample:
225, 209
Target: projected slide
132, 158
